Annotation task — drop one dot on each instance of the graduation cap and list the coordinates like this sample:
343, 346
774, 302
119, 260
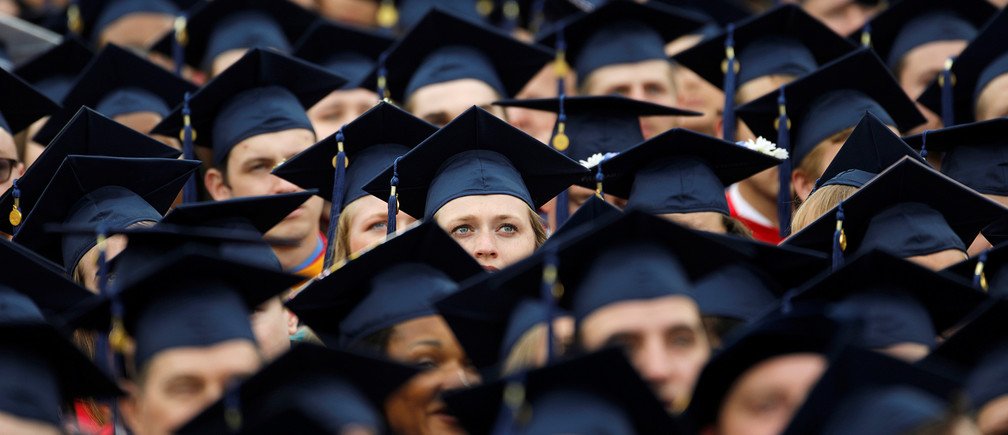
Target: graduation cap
870, 393
264, 92
974, 153
444, 47
354, 56
49, 288
21, 40
908, 210
599, 124
594, 210
112, 191
54, 72
118, 82
869, 150
910, 24
986, 271
595, 393
87, 133
22, 104
896, 301
416, 268
91, 17
785, 40
41, 370
329, 389
954, 93
801, 331
411, 12
506, 162
540, 16
679, 171
719, 12
217, 26
976, 356
620, 32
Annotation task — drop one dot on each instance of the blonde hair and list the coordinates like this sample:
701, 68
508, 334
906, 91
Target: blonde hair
820, 202
538, 228
343, 233
527, 351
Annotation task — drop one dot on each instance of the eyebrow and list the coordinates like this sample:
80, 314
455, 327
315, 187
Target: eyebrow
429, 342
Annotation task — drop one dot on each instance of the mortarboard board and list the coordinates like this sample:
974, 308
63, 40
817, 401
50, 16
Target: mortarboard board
869, 150
908, 210
983, 60
87, 133
594, 210
343, 50
218, 26
679, 171
22, 104
54, 72
506, 162
41, 370
620, 32
594, 393
986, 271
118, 82
599, 124
719, 12
353, 302
896, 301
111, 191
975, 154
23, 40
411, 12
45, 283
909, 24
443, 47
264, 92
778, 334
329, 389
93, 16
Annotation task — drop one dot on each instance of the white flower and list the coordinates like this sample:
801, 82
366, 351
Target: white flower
766, 147
597, 158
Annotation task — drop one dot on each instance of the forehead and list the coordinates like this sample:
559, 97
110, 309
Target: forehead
277, 145
454, 96
426, 328
643, 315
482, 206
629, 73
232, 357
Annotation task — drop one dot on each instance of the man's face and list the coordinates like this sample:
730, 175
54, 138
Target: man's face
144, 122
664, 339
538, 123
357, 12
991, 102
273, 325
765, 397
440, 103
918, 69
179, 383
248, 174
842, 16
137, 30
339, 108
649, 81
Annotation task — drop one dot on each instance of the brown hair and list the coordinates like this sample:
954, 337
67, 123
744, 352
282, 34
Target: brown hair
819, 203
735, 227
538, 228
343, 233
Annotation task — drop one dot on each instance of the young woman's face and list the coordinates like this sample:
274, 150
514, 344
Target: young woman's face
368, 224
495, 229
417, 408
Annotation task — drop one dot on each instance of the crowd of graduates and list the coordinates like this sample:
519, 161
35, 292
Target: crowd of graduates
710, 217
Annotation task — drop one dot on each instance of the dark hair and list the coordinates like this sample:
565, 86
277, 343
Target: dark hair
375, 343
718, 327
735, 227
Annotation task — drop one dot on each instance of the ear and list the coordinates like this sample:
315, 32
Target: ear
719, 127
801, 184
215, 185
129, 405
292, 322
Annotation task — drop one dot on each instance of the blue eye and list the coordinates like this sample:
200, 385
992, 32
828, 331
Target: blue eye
462, 230
508, 228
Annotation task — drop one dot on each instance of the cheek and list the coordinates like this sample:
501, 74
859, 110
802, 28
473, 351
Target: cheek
360, 239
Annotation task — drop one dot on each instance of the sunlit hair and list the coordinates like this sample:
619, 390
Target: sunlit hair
820, 202
343, 232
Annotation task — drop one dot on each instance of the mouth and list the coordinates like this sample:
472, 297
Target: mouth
441, 413
296, 213
490, 268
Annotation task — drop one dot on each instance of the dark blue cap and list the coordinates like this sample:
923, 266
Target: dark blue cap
620, 32
987, 270
680, 171
444, 47
800, 331
412, 12
983, 60
909, 24
599, 124
264, 92
869, 150
975, 154
118, 82
784, 40
832, 99
630, 271
22, 104
218, 26
54, 72
476, 154
371, 143
593, 211
329, 389
96, 15
111, 191
354, 56
896, 301
41, 370
718, 12
870, 393
416, 268
48, 287
908, 210
87, 133
591, 394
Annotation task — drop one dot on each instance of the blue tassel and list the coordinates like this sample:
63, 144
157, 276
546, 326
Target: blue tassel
189, 193
730, 70
549, 280
511, 406
866, 32
599, 178
924, 151
947, 83
562, 212
336, 206
784, 170
393, 200
382, 81
179, 40
979, 279
232, 408
839, 239
15, 214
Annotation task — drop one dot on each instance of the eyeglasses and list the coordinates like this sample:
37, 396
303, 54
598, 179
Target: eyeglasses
6, 169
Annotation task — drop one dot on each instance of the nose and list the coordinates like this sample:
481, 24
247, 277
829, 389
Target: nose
637, 93
485, 247
653, 363
283, 186
457, 376
518, 118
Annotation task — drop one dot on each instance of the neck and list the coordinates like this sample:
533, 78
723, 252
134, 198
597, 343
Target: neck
765, 205
297, 256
